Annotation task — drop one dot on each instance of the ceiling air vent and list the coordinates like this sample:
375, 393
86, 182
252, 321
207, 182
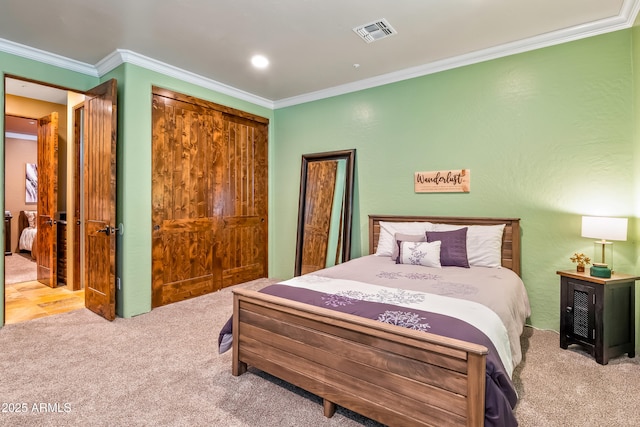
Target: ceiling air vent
375, 30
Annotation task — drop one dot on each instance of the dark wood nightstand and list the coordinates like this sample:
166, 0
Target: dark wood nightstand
7, 233
61, 274
598, 313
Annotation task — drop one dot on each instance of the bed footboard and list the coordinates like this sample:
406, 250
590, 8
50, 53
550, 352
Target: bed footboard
388, 373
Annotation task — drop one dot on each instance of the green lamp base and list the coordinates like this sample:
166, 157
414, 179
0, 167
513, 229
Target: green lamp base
600, 270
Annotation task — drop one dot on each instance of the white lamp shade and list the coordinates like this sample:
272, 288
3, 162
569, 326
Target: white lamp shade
605, 228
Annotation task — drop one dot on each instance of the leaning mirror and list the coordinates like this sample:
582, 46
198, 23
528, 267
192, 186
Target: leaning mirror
325, 210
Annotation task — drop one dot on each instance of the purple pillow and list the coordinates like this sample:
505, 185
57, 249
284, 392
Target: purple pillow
453, 250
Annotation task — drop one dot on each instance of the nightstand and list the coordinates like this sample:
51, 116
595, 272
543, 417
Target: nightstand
598, 313
7, 233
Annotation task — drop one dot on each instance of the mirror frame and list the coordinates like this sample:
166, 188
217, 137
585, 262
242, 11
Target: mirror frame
349, 156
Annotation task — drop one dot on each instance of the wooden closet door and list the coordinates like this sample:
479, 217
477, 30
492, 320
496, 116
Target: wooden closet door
188, 161
244, 250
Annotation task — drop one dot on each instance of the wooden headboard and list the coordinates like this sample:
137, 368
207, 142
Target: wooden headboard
510, 238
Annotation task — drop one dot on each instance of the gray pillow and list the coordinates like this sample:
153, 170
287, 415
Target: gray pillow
453, 250
399, 237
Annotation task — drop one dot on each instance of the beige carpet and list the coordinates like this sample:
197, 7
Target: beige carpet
19, 267
162, 369
568, 388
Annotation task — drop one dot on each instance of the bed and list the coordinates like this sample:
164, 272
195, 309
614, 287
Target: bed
420, 365
27, 231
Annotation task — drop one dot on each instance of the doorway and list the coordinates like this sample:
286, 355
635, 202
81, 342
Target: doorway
28, 296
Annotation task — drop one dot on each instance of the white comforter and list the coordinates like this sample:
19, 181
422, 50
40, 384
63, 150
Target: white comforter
26, 239
500, 291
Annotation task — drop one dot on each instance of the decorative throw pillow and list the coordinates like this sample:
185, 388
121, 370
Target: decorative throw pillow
453, 251
484, 243
419, 253
386, 240
405, 238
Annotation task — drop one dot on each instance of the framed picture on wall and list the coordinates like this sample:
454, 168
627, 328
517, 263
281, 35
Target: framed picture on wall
31, 183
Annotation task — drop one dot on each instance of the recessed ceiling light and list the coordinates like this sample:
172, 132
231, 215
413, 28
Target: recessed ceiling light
259, 61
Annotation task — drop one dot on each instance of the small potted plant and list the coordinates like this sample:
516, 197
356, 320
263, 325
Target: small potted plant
580, 259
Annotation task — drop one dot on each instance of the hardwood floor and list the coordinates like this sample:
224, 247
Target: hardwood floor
31, 300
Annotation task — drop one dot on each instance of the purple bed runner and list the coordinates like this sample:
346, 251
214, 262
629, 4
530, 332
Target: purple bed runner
500, 396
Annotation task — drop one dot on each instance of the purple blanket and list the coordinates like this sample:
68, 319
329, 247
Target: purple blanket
500, 396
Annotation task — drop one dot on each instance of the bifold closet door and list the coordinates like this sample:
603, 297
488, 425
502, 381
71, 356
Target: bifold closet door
187, 172
245, 206
210, 201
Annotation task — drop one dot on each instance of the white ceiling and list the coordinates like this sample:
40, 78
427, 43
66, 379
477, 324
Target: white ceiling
35, 91
311, 44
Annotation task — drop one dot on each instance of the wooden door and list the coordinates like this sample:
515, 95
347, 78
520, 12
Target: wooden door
318, 207
209, 197
188, 159
100, 122
76, 285
47, 203
244, 238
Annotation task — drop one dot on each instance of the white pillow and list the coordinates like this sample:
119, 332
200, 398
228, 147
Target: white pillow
386, 239
406, 238
484, 243
420, 253
31, 218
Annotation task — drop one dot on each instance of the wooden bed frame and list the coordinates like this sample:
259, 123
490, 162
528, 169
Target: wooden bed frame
388, 373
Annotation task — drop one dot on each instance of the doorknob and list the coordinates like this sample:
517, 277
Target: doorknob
49, 222
107, 230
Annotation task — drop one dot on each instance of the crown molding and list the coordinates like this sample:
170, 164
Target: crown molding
32, 53
629, 11
121, 56
625, 19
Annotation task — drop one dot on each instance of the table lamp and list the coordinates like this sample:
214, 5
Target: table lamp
604, 229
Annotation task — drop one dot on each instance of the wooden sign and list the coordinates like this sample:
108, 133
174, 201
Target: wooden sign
449, 181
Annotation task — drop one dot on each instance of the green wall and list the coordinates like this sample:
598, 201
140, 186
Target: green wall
547, 135
634, 228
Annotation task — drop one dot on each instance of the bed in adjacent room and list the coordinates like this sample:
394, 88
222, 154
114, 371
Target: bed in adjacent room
424, 331
27, 231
